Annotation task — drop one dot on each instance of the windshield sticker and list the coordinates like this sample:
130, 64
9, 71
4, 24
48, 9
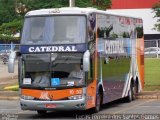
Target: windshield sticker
70, 83
55, 81
27, 81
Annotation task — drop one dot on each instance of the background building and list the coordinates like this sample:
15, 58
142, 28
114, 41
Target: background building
143, 9
133, 4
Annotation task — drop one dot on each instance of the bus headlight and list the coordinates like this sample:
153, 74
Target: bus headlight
75, 97
27, 97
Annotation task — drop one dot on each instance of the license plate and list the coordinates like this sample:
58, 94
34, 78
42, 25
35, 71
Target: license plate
50, 105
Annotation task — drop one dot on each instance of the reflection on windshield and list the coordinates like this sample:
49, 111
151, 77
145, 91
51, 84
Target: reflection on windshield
53, 70
54, 29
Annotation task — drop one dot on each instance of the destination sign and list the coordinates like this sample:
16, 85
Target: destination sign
53, 48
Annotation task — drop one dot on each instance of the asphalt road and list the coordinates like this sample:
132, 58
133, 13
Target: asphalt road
4, 70
138, 109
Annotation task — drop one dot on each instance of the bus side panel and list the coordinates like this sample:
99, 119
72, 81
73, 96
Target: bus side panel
114, 55
92, 79
91, 95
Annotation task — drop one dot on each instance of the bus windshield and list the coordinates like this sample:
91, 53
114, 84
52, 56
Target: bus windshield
54, 30
53, 70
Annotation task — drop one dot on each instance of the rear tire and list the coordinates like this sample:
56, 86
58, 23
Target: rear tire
135, 91
131, 95
41, 112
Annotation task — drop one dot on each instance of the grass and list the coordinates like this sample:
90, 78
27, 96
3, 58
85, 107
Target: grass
152, 74
12, 88
152, 88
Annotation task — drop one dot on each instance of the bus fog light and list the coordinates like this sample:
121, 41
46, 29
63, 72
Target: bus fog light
25, 97
75, 97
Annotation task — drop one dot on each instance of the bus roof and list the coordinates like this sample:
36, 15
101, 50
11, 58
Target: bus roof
63, 10
71, 10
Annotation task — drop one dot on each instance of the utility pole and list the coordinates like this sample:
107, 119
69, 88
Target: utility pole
157, 47
71, 3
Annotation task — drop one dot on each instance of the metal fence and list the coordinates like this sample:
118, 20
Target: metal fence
152, 48
4, 47
5, 50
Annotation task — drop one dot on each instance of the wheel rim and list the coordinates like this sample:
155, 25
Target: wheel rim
134, 90
130, 94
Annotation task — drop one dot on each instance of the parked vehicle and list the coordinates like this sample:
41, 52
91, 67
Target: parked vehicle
5, 58
152, 52
4, 52
4, 55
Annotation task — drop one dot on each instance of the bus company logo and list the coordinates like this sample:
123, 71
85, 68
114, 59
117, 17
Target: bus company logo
71, 92
52, 49
114, 47
44, 96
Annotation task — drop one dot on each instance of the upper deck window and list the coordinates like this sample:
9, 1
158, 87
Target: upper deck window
54, 30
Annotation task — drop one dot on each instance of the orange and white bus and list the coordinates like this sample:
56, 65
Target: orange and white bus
78, 58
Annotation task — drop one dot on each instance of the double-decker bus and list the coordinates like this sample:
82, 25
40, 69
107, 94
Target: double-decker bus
78, 58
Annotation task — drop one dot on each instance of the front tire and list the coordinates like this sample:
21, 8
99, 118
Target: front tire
131, 94
98, 102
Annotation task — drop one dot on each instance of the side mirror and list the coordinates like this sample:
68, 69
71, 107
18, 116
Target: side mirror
11, 61
86, 61
18, 54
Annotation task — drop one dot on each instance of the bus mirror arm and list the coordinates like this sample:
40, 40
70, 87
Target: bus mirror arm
11, 61
18, 54
86, 61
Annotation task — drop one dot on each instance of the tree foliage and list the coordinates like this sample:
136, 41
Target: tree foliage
8, 39
11, 28
12, 11
7, 11
156, 8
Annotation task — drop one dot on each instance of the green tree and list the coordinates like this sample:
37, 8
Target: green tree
12, 11
103, 3
40, 4
156, 8
37, 4
11, 28
7, 11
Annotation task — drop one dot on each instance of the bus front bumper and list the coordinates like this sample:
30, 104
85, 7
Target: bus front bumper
53, 105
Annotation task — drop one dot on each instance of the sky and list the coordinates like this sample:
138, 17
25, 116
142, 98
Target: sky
146, 14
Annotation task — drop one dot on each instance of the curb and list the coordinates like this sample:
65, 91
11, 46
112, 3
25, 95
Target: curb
147, 97
9, 98
9, 95
11, 87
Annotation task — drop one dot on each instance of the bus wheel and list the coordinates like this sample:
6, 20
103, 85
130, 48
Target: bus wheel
135, 91
41, 112
98, 102
130, 96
